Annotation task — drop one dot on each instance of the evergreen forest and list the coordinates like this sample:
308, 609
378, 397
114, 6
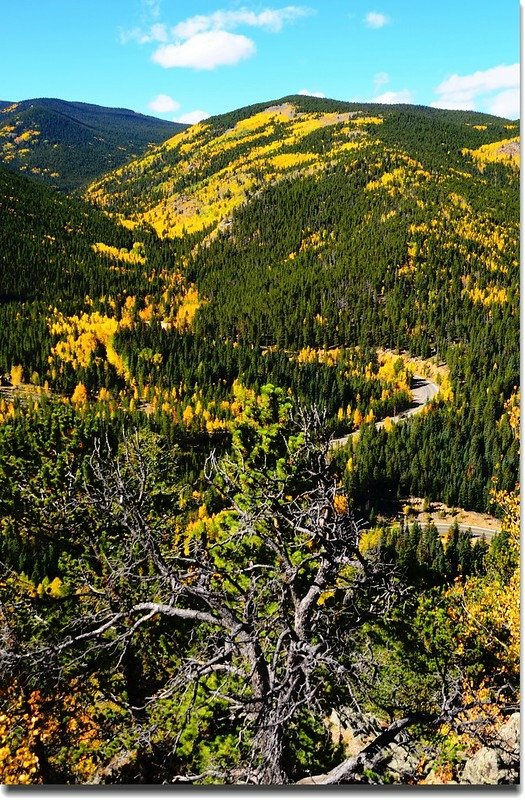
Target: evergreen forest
230, 365
66, 145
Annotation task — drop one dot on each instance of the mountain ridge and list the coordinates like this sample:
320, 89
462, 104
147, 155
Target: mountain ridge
68, 144
176, 179
307, 102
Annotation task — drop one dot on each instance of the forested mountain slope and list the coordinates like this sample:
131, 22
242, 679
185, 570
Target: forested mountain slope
67, 144
77, 285
316, 223
194, 587
194, 182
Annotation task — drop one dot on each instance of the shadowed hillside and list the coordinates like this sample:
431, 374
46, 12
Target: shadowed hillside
69, 144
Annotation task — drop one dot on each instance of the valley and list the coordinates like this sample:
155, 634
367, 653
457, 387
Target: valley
259, 442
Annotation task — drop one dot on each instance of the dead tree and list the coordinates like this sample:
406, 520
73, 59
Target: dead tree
269, 596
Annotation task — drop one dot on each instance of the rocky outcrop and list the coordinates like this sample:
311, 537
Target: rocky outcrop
403, 762
481, 768
406, 761
500, 763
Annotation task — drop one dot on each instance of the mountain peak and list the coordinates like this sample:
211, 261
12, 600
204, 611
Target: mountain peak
195, 180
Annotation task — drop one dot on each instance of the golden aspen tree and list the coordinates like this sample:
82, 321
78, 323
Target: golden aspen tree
17, 375
80, 395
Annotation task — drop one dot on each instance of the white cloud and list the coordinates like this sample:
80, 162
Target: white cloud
375, 20
390, 98
495, 90
205, 51
502, 77
271, 19
156, 33
192, 117
308, 93
191, 27
506, 104
152, 7
163, 104
380, 78
206, 41
454, 105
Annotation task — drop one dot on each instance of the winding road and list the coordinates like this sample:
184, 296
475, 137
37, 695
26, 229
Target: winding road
422, 390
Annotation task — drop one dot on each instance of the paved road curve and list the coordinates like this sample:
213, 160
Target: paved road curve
422, 390
477, 533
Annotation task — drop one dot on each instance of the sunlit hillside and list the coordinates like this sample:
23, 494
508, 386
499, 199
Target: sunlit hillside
194, 181
307, 222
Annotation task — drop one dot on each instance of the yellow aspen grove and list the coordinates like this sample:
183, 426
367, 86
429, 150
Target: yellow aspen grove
340, 504
188, 416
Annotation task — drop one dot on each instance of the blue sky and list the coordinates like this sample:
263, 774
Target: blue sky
185, 59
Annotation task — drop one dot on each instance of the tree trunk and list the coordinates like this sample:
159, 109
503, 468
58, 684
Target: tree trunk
270, 753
